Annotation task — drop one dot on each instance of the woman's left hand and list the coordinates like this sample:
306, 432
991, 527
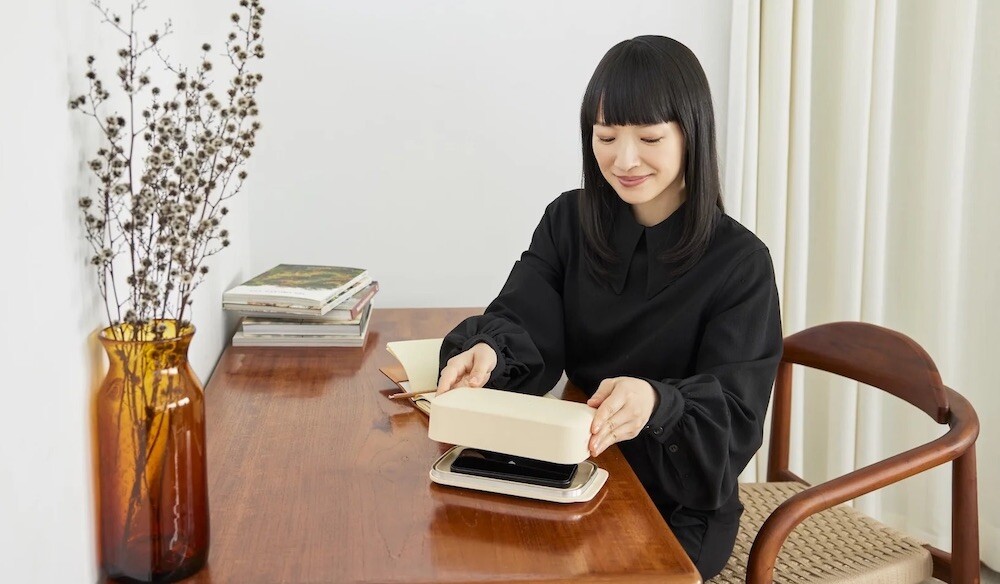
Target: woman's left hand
624, 405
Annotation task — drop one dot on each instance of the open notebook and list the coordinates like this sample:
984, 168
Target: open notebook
417, 369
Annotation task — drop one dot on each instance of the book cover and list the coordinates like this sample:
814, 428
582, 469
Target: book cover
285, 326
284, 308
243, 339
271, 326
296, 285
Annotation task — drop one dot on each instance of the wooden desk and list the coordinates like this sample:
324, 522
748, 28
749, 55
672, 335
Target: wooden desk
316, 476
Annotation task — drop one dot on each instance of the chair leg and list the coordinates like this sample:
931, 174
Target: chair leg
964, 520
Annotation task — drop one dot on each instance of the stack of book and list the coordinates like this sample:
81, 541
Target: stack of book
303, 306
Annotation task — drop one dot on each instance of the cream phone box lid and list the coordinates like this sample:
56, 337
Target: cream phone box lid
513, 423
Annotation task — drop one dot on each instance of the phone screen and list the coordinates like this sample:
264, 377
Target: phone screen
496, 465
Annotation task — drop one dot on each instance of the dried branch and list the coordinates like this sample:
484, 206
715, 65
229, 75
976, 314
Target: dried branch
166, 167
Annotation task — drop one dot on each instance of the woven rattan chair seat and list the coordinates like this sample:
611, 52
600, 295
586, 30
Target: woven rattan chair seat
838, 545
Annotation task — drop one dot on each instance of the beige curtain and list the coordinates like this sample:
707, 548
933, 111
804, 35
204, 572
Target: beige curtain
864, 149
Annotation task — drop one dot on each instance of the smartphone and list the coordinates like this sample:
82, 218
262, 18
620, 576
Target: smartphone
495, 465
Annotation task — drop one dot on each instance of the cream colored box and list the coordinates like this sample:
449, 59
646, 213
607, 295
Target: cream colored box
513, 423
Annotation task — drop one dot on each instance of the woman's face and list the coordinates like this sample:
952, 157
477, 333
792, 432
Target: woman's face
644, 164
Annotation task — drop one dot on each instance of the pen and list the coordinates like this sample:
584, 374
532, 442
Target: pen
412, 393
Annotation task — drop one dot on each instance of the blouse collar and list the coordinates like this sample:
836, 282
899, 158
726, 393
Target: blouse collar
661, 237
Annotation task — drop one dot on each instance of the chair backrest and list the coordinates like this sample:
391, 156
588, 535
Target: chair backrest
874, 355
897, 364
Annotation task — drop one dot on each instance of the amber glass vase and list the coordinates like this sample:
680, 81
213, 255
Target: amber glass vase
151, 441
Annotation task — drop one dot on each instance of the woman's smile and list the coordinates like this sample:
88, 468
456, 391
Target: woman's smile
632, 181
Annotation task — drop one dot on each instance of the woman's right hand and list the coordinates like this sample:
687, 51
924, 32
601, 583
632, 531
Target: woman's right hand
469, 369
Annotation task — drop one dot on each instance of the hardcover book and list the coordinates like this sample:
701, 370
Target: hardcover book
347, 312
253, 325
283, 308
297, 286
243, 338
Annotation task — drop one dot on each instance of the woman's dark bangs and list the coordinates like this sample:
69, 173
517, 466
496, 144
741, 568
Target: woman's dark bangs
631, 92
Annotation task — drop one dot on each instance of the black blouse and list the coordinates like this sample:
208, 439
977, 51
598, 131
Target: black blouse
708, 341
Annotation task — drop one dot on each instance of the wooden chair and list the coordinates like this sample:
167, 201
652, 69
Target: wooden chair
802, 533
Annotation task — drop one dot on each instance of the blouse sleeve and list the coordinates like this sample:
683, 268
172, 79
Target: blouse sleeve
706, 427
524, 324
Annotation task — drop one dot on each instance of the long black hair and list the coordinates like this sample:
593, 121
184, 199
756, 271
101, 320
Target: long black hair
651, 80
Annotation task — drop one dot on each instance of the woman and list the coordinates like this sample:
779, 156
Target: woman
658, 305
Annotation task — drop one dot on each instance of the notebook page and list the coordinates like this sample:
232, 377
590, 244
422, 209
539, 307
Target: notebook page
420, 360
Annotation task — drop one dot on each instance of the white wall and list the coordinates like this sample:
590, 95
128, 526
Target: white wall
422, 140
49, 305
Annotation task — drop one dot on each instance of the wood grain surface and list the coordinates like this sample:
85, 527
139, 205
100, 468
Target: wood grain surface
316, 476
